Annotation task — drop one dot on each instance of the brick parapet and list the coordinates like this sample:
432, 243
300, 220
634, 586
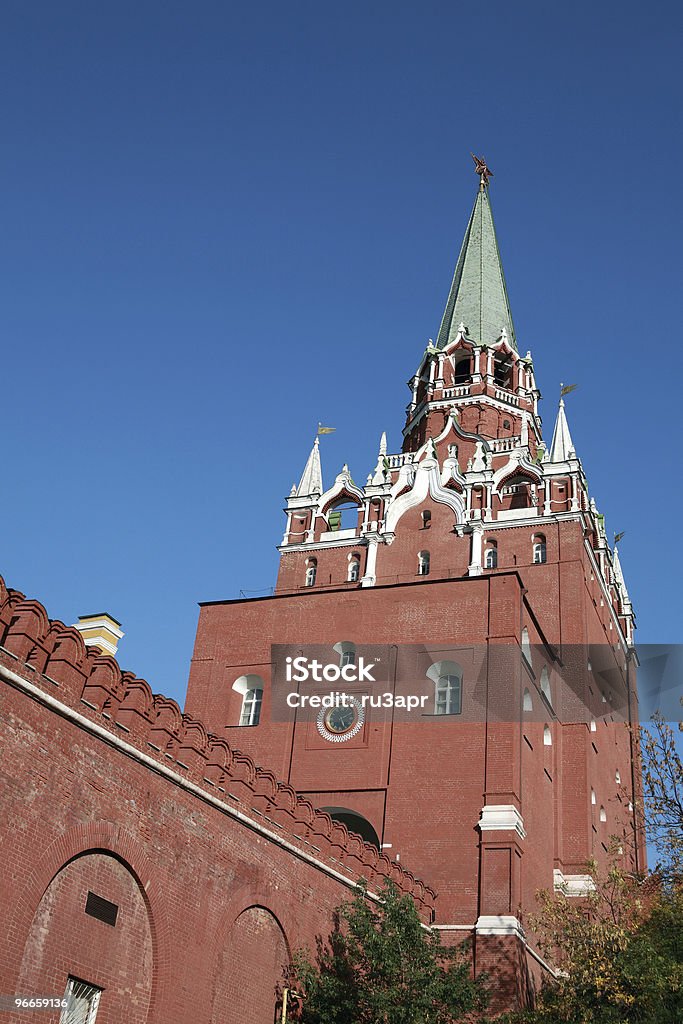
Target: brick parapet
52, 658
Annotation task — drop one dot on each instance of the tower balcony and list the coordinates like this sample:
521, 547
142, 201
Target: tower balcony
507, 396
402, 459
460, 391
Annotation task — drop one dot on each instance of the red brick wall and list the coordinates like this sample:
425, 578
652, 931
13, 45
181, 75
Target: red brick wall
64, 941
422, 785
87, 817
217, 869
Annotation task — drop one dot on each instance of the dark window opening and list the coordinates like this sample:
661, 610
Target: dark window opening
502, 373
355, 823
462, 374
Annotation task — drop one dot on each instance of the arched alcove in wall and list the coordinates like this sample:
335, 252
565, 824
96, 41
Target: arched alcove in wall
355, 823
92, 923
250, 968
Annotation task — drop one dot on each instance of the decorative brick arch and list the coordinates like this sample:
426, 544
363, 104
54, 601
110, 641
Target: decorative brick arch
97, 837
259, 894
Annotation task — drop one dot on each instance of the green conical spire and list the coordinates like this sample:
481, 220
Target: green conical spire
478, 296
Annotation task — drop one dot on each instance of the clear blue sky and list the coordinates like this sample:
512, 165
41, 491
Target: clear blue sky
224, 222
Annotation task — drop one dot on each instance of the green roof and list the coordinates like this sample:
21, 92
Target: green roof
478, 296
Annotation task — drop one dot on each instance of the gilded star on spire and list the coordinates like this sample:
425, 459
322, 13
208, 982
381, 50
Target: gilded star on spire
481, 169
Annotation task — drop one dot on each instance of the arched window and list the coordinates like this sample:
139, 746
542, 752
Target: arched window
311, 571
447, 699
423, 563
343, 516
547, 736
462, 374
426, 519
251, 688
545, 686
447, 679
520, 490
603, 814
617, 777
354, 569
346, 651
526, 645
491, 555
593, 797
355, 823
539, 549
527, 703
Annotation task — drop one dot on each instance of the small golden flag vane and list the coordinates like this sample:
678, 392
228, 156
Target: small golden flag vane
482, 169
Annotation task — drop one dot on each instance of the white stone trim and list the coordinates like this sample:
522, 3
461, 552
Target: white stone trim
343, 483
319, 545
370, 577
573, 885
106, 646
501, 818
453, 927
332, 535
499, 924
427, 481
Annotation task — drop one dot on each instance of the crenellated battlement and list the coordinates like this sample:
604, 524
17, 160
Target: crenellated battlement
54, 658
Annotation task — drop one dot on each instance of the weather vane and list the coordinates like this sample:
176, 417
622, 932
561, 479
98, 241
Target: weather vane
481, 169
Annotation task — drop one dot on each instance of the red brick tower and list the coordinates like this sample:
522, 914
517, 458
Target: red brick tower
477, 561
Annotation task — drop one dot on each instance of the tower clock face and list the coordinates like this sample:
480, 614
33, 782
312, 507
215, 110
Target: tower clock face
341, 719
341, 723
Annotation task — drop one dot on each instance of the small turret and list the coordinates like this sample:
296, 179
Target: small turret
562, 447
312, 477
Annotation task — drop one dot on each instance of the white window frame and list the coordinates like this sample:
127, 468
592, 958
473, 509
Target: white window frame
346, 650
354, 570
244, 685
540, 552
311, 573
251, 706
423, 563
447, 677
448, 695
77, 989
545, 687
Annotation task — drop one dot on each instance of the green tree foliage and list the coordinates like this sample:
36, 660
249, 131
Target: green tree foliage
618, 953
381, 966
663, 794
